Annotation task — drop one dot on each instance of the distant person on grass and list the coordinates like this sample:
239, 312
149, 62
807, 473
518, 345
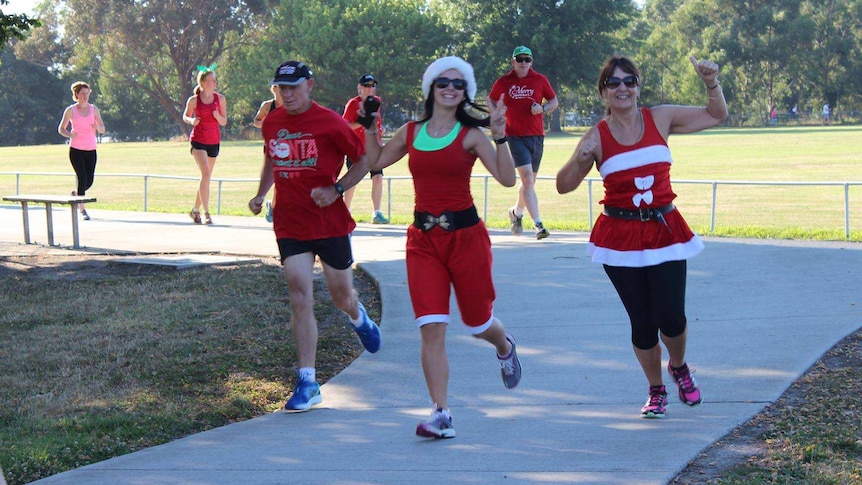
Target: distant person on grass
206, 111
527, 95
366, 87
304, 149
448, 245
81, 121
641, 238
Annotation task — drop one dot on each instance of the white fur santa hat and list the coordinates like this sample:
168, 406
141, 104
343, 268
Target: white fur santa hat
442, 65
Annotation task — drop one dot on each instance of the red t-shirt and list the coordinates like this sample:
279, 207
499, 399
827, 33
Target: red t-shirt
520, 93
308, 151
351, 113
207, 131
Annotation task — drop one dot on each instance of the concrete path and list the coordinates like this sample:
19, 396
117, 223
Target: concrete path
760, 313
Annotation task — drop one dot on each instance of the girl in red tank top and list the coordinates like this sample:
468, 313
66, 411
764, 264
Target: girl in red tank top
447, 245
206, 111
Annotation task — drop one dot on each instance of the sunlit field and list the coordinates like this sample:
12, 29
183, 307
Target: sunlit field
786, 154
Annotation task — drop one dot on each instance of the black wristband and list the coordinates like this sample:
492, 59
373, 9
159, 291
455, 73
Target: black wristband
339, 188
500, 141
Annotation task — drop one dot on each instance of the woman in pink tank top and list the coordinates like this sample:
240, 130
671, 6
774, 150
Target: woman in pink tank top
206, 111
81, 121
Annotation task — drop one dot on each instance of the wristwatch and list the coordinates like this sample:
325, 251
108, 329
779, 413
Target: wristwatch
500, 141
339, 188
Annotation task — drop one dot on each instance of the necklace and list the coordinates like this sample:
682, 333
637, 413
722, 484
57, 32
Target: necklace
436, 132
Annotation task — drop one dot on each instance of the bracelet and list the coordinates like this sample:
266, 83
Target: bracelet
500, 141
710, 88
544, 108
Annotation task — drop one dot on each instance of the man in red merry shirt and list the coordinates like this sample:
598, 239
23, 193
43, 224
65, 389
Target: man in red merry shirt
527, 95
305, 147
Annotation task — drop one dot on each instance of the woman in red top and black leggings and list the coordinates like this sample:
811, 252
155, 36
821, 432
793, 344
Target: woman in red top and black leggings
206, 111
641, 238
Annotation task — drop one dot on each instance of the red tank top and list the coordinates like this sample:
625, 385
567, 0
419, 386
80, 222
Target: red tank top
441, 178
207, 131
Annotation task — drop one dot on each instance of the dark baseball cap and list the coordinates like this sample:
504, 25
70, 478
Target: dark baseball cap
367, 78
291, 73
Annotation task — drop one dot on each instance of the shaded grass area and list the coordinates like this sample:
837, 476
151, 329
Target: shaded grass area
811, 435
102, 359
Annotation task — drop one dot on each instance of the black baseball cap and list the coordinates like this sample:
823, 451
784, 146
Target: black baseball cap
291, 73
367, 78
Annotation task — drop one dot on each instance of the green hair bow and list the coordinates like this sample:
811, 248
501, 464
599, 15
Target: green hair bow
209, 68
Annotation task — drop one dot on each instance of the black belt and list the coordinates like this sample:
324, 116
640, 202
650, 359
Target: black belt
448, 221
643, 214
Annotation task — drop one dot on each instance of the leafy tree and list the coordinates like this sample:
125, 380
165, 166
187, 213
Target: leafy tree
343, 39
836, 52
14, 26
32, 102
570, 39
152, 49
44, 46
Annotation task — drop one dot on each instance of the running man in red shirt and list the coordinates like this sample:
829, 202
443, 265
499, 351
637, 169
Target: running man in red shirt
524, 91
366, 87
305, 145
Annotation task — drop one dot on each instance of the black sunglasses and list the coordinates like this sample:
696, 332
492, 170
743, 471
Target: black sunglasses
443, 82
523, 59
614, 82
370, 85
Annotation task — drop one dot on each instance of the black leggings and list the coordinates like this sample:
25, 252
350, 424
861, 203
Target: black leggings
84, 163
654, 298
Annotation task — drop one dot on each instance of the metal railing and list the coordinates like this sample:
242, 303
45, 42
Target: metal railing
146, 178
486, 184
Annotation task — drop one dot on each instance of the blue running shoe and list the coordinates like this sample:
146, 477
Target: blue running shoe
379, 218
305, 395
268, 212
368, 332
510, 367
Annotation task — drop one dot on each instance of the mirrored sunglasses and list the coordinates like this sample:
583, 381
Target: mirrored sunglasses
614, 82
523, 59
443, 82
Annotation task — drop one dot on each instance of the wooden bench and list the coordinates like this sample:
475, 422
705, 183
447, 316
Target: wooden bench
49, 200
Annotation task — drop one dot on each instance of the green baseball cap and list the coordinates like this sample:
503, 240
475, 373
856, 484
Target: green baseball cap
522, 50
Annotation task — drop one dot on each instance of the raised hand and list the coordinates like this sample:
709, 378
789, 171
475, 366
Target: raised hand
498, 119
705, 69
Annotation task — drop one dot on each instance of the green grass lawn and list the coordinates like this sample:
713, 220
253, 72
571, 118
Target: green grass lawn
786, 154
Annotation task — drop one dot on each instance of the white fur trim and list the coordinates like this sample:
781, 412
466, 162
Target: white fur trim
444, 64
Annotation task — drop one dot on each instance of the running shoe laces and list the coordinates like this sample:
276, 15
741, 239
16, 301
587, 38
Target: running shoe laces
655, 404
510, 366
689, 392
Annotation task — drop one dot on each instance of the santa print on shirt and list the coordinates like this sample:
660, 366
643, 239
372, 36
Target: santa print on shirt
307, 151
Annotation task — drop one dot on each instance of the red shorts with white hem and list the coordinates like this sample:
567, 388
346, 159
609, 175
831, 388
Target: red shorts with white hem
438, 260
